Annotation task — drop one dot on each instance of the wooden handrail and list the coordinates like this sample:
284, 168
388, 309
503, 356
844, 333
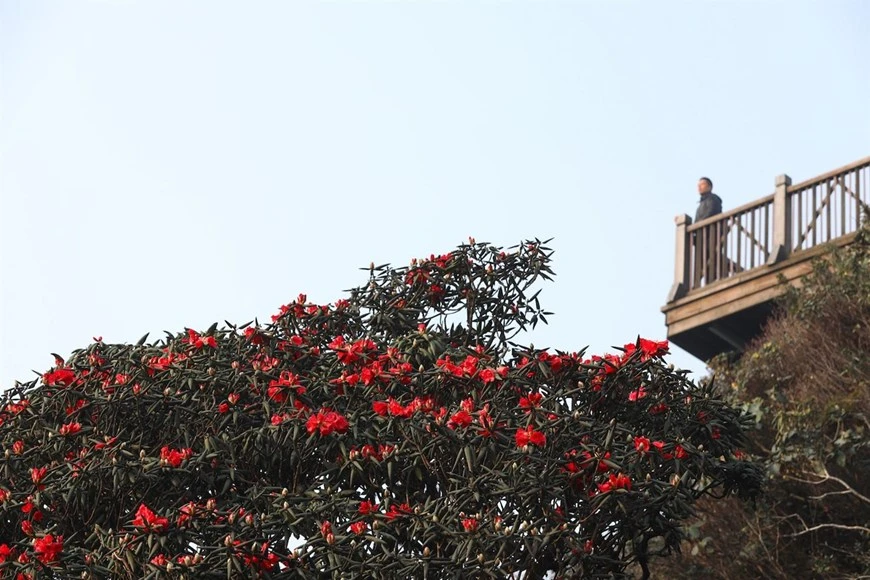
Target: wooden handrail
826, 176
732, 212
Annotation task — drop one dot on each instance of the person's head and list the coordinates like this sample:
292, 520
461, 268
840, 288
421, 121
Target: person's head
705, 185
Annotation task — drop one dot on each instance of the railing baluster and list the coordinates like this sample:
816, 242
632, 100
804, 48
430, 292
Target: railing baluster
842, 209
800, 216
828, 208
754, 235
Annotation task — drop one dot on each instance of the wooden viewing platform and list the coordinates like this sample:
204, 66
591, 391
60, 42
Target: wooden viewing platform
727, 267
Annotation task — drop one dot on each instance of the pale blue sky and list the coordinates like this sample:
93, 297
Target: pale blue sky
173, 163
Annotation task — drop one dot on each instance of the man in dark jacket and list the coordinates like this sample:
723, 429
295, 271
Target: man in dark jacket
710, 203
709, 248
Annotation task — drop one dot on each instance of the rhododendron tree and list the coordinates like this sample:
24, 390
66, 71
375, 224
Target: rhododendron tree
397, 433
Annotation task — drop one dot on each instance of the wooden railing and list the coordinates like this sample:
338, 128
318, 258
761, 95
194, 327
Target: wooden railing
763, 232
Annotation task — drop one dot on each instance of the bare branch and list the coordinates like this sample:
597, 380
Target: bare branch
826, 477
833, 526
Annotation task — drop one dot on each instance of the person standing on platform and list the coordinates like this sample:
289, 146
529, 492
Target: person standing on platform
709, 205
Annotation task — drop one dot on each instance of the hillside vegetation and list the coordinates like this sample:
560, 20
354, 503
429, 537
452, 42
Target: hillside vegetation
806, 381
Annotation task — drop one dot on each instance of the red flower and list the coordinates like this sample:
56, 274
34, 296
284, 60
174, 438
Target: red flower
6, 553
638, 393
460, 419
327, 422
469, 366
530, 436
4, 495
37, 474
174, 457
223, 408
651, 348
641, 444
470, 524
47, 548
63, 377
197, 341
615, 482
18, 447
277, 394
279, 418
325, 528
396, 409
27, 528
398, 511
359, 528
679, 452
367, 508
531, 400
487, 375
149, 521
159, 560
70, 429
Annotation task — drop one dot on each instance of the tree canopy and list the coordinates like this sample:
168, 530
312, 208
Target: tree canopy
398, 432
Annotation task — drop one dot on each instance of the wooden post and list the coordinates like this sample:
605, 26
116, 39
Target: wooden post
781, 221
681, 261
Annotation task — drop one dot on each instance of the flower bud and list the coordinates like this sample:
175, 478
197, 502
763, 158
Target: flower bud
426, 552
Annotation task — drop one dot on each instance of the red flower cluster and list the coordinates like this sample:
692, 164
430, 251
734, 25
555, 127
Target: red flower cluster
359, 528
531, 401
367, 508
470, 524
641, 444
529, 436
62, 376
197, 341
397, 511
162, 363
48, 548
460, 418
279, 388
265, 561
148, 521
326, 422
174, 457
470, 368
37, 474
70, 429
615, 482
370, 451
394, 408
350, 353
648, 348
